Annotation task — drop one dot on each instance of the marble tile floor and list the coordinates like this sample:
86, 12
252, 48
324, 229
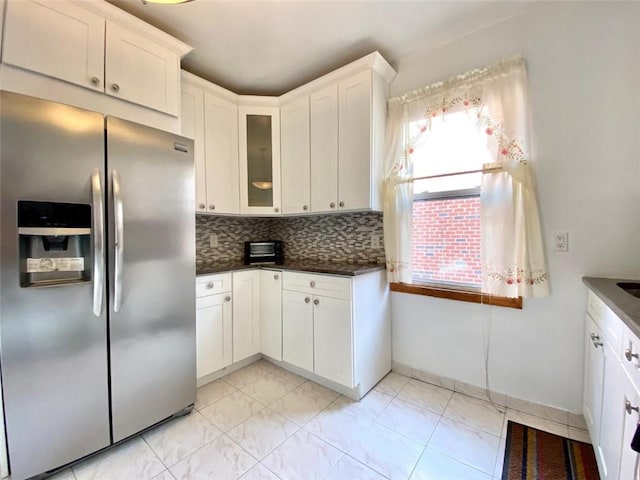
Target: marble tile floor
265, 423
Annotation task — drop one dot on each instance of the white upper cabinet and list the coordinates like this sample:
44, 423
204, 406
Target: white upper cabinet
354, 142
96, 46
259, 156
324, 149
59, 39
294, 150
221, 151
192, 122
140, 71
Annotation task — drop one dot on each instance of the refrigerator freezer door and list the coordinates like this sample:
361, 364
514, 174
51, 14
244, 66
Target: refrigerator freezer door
53, 347
152, 332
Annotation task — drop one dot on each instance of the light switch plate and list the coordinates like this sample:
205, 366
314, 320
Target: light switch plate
213, 240
375, 241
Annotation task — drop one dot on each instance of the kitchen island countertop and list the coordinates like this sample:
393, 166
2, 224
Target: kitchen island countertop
623, 304
309, 266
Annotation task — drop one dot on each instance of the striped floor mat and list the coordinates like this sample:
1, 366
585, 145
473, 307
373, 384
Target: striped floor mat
532, 454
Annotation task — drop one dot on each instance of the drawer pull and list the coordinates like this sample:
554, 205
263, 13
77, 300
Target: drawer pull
312, 284
629, 355
276, 277
307, 300
201, 206
316, 301
596, 340
210, 285
629, 408
332, 205
227, 299
115, 87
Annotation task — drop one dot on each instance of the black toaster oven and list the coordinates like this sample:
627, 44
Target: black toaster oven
269, 251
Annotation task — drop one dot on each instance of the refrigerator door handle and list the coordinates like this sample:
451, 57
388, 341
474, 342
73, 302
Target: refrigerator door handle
98, 241
119, 241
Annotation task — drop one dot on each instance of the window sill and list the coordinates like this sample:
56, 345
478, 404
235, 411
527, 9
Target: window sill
453, 294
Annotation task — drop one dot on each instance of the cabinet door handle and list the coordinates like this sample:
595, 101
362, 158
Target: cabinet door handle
201, 206
275, 277
212, 207
629, 408
332, 205
95, 81
305, 207
210, 285
596, 340
629, 355
341, 204
227, 299
316, 301
115, 87
276, 209
312, 284
307, 300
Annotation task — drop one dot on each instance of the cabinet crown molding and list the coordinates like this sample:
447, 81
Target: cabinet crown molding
374, 61
126, 20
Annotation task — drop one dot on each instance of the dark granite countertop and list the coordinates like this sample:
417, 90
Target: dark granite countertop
623, 304
345, 269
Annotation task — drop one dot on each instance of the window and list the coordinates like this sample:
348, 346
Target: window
446, 240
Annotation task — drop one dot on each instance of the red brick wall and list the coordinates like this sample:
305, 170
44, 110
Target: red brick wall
446, 241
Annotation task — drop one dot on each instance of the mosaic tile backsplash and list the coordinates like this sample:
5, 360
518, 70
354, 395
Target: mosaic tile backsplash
340, 238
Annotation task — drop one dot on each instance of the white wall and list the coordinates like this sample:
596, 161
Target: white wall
584, 81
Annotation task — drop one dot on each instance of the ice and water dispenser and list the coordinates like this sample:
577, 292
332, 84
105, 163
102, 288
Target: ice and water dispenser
54, 243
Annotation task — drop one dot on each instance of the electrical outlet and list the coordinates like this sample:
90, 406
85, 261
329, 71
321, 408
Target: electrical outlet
561, 241
213, 240
375, 241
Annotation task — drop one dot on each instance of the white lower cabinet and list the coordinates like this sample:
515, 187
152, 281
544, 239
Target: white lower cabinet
213, 333
611, 421
333, 340
611, 400
335, 330
246, 314
297, 329
593, 377
271, 313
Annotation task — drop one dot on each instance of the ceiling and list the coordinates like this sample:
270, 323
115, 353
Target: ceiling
269, 47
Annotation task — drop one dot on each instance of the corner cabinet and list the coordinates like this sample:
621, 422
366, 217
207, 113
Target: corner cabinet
259, 156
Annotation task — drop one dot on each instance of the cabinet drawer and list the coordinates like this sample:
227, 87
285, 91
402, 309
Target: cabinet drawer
213, 300
608, 322
324, 285
630, 354
213, 284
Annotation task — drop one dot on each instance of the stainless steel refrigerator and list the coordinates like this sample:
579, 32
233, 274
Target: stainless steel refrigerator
97, 261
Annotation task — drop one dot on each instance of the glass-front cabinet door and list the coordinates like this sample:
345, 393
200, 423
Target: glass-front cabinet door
259, 135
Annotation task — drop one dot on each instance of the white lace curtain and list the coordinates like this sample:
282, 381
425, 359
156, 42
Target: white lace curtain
513, 261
